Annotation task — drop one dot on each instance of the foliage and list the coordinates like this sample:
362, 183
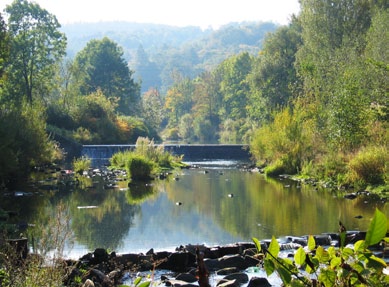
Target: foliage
287, 142
146, 158
81, 164
342, 266
370, 165
23, 141
45, 267
37, 47
101, 66
139, 167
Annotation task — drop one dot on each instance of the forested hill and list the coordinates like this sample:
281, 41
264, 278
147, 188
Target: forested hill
157, 52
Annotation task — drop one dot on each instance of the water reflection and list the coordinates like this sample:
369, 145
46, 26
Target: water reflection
219, 206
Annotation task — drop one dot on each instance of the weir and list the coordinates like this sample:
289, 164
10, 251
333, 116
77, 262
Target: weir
191, 152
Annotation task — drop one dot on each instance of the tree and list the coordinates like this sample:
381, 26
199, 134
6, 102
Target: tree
179, 100
146, 71
152, 109
37, 47
102, 67
4, 47
331, 64
274, 78
234, 86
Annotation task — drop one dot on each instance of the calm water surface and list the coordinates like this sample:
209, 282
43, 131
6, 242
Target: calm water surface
214, 205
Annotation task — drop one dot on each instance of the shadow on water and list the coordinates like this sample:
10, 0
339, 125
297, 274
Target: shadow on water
214, 204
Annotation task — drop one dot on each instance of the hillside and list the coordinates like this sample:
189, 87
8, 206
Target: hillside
157, 52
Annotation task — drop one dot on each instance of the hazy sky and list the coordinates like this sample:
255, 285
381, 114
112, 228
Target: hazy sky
203, 13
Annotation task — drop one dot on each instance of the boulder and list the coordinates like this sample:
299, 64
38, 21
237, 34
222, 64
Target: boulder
88, 283
98, 277
227, 271
227, 283
187, 277
100, 255
179, 283
179, 261
240, 277
258, 282
237, 261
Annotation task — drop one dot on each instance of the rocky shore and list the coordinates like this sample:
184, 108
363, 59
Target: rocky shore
189, 264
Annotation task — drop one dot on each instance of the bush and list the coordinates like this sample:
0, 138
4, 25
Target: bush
287, 142
369, 166
139, 167
81, 164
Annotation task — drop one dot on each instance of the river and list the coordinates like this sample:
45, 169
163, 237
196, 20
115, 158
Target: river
211, 205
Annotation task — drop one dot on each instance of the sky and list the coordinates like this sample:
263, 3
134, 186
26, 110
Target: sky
202, 13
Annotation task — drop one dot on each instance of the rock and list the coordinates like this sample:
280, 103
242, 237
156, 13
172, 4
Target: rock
178, 283
322, 240
227, 283
187, 277
237, 261
227, 271
179, 261
98, 277
88, 283
258, 282
240, 277
100, 255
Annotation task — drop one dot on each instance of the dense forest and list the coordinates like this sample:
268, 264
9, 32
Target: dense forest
310, 97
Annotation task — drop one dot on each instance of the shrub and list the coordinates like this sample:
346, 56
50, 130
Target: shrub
81, 164
332, 167
274, 169
287, 142
138, 167
369, 166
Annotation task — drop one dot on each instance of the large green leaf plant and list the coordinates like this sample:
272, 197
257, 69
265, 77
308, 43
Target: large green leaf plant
346, 265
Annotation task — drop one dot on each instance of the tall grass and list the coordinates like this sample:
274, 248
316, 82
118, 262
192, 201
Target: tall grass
369, 166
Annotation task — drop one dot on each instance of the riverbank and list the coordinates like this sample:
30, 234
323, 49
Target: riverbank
234, 264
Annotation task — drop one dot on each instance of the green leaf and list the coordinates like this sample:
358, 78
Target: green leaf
137, 281
327, 277
311, 243
322, 255
297, 283
284, 274
274, 248
376, 262
347, 252
359, 245
269, 266
377, 229
331, 251
145, 284
299, 256
335, 262
257, 244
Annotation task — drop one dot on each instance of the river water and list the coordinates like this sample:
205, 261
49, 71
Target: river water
214, 204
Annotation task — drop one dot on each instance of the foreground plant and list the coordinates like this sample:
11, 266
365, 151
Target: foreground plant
44, 267
342, 266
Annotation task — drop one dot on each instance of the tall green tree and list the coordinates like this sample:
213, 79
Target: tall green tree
234, 86
101, 66
274, 79
37, 47
330, 63
4, 47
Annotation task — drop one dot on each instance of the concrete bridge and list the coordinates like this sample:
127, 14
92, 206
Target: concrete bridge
191, 152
